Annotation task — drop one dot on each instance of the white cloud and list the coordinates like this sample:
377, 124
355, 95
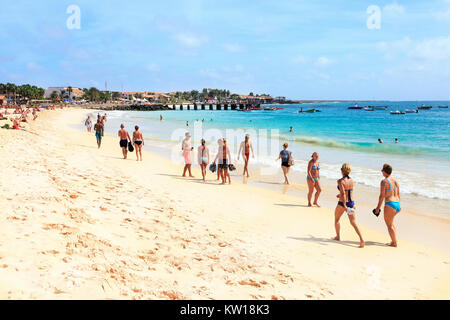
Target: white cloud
318, 62
153, 67
300, 59
232, 47
444, 13
393, 9
434, 49
34, 67
190, 40
323, 62
210, 73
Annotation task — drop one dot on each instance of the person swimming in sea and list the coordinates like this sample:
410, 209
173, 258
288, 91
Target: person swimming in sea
380, 141
396, 140
291, 129
313, 179
390, 195
346, 204
203, 158
138, 141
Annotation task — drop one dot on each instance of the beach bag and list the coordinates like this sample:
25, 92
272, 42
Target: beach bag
213, 167
291, 159
130, 146
231, 167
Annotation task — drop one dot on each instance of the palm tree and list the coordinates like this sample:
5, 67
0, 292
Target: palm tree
54, 96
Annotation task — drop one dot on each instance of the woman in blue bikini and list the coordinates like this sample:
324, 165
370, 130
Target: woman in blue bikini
203, 158
313, 179
346, 203
390, 194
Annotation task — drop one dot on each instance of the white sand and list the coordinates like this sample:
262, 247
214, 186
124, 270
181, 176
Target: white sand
81, 223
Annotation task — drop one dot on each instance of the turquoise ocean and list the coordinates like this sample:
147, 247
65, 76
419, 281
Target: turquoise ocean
421, 158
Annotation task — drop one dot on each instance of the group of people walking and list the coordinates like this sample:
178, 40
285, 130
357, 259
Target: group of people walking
124, 137
389, 188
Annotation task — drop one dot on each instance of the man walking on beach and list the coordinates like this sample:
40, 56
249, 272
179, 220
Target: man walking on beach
245, 147
124, 137
99, 131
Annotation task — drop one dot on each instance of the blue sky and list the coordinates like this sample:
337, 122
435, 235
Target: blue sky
298, 49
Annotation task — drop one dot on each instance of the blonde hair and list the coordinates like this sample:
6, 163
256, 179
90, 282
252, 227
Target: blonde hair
346, 169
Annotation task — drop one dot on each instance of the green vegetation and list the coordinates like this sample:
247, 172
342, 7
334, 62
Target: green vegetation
221, 95
22, 92
93, 94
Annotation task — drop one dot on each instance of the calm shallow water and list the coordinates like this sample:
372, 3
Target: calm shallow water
421, 159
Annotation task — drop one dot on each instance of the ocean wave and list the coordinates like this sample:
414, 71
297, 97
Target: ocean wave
382, 148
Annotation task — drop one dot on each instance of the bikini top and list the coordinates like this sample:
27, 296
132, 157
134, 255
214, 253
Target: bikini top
315, 168
349, 194
390, 188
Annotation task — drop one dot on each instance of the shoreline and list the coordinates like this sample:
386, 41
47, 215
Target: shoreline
415, 215
95, 226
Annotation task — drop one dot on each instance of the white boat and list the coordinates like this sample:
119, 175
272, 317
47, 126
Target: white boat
397, 112
369, 109
411, 111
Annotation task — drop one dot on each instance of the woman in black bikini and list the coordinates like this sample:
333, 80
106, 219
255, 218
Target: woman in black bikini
138, 141
346, 203
223, 156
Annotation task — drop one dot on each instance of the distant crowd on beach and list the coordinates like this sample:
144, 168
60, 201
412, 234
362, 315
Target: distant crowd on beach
18, 115
222, 164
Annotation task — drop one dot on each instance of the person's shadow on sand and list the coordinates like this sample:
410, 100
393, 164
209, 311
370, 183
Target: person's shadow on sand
327, 241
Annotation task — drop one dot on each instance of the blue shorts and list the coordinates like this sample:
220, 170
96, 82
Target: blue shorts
98, 135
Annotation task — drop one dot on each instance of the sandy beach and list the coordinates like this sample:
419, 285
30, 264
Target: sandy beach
82, 223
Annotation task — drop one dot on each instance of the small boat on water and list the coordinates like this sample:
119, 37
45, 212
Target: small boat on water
397, 112
355, 107
443, 107
424, 107
411, 111
306, 111
369, 109
272, 109
380, 107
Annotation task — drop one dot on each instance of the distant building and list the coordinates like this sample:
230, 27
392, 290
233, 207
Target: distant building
279, 99
76, 92
147, 95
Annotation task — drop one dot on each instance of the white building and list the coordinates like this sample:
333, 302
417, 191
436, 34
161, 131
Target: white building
76, 92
